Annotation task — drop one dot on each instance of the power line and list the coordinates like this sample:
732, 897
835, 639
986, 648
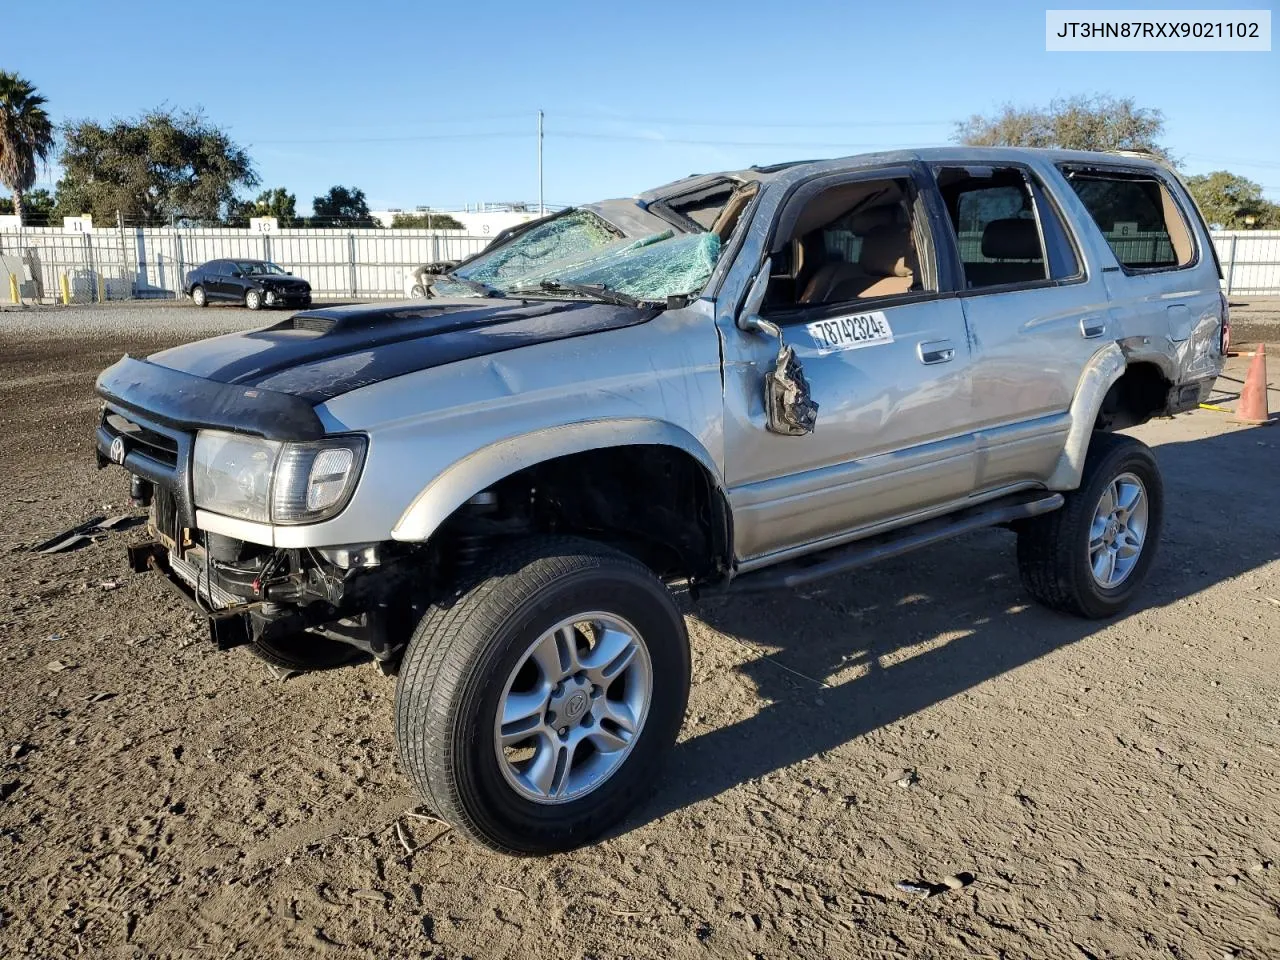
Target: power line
796, 124
401, 139
632, 138
1248, 163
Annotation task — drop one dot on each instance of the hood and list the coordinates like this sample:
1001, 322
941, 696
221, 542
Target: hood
320, 354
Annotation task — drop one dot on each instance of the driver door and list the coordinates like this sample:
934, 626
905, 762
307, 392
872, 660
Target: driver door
855, 291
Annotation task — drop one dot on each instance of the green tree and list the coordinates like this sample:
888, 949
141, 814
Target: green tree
37, 207
1232, 202
342, 207
26, 136
161, 166
1073, 123
426, 220
276, 202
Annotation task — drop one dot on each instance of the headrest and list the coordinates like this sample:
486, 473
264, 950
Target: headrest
886, 251
1011, 239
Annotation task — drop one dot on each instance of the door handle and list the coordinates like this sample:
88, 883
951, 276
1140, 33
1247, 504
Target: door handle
936, 351
1091, 327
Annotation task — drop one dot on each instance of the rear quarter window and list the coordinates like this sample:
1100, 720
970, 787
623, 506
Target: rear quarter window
1138, 217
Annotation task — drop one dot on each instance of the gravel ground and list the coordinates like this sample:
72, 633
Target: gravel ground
1089, 790
159, 320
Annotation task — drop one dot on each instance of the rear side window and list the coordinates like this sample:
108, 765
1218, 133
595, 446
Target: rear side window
1138, 217
1006, 230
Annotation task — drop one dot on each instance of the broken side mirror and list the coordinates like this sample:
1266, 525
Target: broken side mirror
790, 410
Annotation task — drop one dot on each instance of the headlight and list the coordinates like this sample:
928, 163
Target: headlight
233, 474
271, 482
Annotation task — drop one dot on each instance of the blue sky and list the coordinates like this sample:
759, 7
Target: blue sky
435, 103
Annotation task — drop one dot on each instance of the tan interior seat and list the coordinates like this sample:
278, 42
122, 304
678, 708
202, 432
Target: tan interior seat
885, 268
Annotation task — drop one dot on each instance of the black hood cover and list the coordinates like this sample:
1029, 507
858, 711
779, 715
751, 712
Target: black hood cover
320, 354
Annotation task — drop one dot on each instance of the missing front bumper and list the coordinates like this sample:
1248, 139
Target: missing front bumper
227, 628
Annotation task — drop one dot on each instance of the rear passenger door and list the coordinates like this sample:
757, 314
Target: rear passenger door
1035, 315
1163, 282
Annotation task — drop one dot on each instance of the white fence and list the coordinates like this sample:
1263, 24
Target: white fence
151, 262
133, 262
1250, 261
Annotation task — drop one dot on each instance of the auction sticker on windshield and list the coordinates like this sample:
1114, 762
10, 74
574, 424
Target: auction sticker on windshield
846, 333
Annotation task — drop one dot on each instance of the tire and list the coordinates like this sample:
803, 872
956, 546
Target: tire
466, 660
1057, 552
198, 296
253, 299
304, 652
418, 290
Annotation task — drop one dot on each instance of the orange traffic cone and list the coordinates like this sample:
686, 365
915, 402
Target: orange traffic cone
1252, 407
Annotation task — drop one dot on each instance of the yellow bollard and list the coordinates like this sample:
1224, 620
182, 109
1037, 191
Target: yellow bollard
66, 291
102, 290
13, 288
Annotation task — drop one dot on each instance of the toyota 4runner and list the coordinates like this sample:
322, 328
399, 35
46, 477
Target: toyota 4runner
738, 381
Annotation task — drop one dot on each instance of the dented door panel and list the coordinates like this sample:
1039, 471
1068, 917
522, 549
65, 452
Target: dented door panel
889, 438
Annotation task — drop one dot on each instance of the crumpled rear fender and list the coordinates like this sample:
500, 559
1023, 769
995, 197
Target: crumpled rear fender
1103, 369
479, 471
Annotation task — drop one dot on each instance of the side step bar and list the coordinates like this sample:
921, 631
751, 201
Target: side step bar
860, 553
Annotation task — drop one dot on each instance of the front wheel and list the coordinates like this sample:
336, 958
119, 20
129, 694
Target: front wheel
303, 651
1092, 556
253, 299
534, 711
198, 296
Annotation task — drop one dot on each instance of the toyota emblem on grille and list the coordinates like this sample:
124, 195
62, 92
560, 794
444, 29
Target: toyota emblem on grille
117, 450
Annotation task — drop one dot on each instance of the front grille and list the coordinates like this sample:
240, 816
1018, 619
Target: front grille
159, 447
164, 514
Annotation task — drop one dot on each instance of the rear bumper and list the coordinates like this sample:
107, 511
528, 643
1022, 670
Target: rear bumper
1189, 396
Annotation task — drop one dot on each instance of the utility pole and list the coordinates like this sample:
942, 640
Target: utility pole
542, 210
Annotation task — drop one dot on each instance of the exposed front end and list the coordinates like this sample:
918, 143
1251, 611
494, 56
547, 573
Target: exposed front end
212, 492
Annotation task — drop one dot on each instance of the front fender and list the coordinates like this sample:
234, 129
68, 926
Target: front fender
1103, 369
480, 470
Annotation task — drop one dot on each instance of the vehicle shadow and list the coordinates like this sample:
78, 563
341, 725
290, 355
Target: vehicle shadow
885, 642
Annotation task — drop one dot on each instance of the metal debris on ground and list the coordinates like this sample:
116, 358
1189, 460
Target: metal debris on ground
91, 531
926, 888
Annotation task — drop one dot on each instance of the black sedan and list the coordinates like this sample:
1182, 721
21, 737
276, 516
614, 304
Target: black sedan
253, 283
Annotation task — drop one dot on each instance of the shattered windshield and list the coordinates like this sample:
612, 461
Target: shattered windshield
570, 235
652, 268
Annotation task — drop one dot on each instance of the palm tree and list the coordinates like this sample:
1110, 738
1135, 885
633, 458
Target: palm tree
26, 135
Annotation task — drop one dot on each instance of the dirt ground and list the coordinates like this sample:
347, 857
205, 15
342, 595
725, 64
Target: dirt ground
1099, 789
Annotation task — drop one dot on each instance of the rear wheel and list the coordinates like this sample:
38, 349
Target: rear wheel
534, 711
419, 290
1092, 556
253, 299
198, 296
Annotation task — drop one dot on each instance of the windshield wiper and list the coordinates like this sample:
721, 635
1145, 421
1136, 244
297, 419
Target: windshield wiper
475, 286
596, 291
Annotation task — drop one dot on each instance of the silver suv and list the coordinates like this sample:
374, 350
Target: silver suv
739, 381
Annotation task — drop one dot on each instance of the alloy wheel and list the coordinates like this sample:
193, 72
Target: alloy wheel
573, 707
1118, 531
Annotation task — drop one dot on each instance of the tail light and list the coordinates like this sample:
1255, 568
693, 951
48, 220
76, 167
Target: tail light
1226, 324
